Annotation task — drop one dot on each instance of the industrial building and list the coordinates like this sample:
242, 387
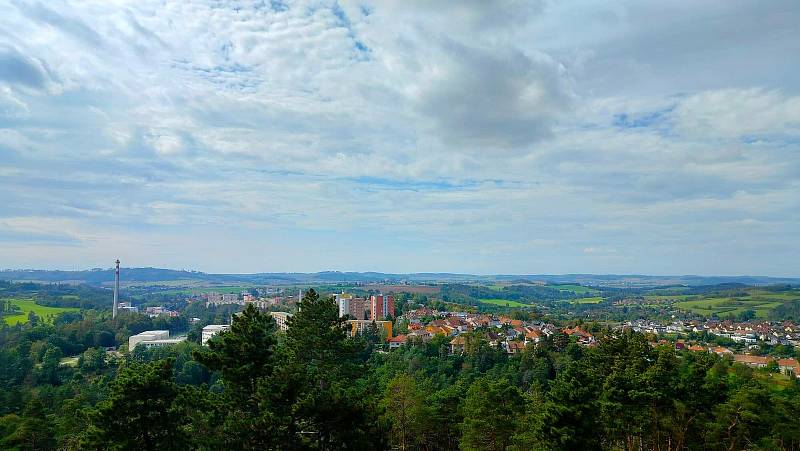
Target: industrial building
150, 338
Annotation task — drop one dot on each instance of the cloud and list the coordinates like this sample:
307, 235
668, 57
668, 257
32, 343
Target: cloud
491, 100
17, 69
738, 113
484, 136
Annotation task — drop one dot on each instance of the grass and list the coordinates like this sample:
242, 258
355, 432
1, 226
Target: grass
206, 289
503, 303
592, 300
575, 288
669, 297
43, 312
759, 300
723, 306
68, 361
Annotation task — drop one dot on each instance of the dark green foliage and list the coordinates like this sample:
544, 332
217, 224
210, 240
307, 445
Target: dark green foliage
491, 410
315, 387
140, 412
244, 354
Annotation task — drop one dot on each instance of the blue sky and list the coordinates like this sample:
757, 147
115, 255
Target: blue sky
483, 137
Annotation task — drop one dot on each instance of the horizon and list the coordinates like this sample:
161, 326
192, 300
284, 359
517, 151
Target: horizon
111, 268
522, 137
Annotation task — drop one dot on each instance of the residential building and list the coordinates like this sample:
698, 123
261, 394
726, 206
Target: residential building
151, 338
381, 306
358, 326
396, 342
751, 360
789, 366
127, 307
215, 298
211, 330
350, 305
281, 318
457, 345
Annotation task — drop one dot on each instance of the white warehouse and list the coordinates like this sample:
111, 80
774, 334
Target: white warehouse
150, 338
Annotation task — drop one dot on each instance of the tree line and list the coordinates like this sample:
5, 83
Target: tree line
314, 387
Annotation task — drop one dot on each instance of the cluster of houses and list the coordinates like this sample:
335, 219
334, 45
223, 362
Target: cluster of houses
789, 366
154, 312
511, 335
770, 332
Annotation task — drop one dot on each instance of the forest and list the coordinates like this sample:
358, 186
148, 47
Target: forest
314, 387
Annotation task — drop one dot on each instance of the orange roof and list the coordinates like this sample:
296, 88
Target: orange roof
751, 359
697, 348
789, 362
398, 339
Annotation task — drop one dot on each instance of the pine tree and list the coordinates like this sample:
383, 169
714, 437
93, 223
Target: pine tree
140, 411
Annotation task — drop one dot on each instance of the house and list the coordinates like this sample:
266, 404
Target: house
697, 348
720, 351
396, 342
789, 366
584, 338
751, 360
514, 347
533, 336
457, 345
419, 334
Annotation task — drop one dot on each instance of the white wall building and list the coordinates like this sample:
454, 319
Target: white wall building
343, 301
151, 338
211, 330
281, 318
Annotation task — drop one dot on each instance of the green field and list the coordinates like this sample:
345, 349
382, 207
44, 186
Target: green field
205, 289
760, 301
577, 289
27, 305
592, 300
503, 303
670, 297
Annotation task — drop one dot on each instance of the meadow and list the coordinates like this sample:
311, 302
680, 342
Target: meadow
591, 300
577, 289
503, 303
27, 305
759, 301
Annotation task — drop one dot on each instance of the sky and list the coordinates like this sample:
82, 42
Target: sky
509, 137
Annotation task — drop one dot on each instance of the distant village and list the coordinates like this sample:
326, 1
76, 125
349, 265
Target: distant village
503, 332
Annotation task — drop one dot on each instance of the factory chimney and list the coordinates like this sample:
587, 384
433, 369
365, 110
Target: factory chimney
116, 291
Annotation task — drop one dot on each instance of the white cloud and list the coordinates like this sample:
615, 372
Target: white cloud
483, 136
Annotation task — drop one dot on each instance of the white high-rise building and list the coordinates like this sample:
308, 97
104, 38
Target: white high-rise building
343, 301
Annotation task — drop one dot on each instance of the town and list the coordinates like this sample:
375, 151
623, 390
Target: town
757, 344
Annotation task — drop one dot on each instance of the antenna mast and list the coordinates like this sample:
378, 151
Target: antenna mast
116, 291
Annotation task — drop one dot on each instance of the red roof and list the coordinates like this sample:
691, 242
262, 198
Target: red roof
398, 339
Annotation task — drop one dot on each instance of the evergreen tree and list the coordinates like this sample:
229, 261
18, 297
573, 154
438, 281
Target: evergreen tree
490, 411
405, 409
245, 357
140, 412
